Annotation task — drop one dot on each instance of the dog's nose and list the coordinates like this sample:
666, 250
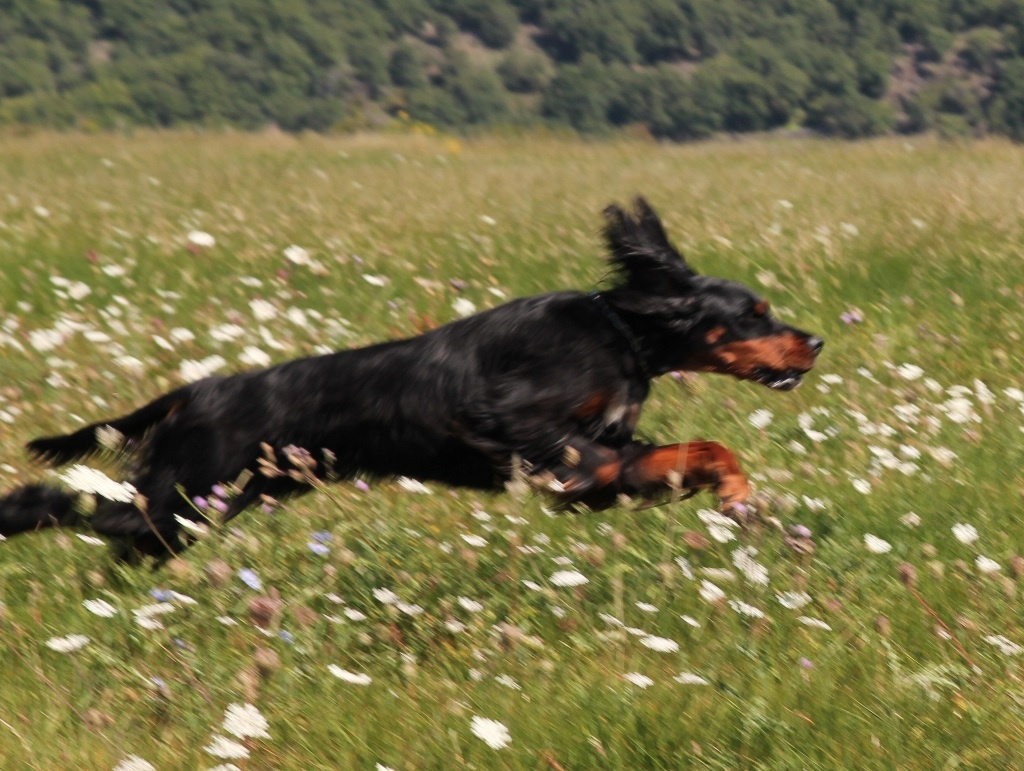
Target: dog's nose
815, 344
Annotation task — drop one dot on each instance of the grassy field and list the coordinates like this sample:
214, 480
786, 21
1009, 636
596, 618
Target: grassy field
870, 632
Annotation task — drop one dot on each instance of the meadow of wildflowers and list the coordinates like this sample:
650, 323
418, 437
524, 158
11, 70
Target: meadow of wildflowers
870, 619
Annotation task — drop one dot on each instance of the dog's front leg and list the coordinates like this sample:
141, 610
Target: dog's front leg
596, 475
691, 466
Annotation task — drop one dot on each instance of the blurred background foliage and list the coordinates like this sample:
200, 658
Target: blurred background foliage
677, 69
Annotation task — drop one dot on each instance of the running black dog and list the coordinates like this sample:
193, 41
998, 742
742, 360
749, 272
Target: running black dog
552, 383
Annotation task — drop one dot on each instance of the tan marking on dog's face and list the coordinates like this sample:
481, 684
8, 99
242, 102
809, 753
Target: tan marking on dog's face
714, 335
743, 358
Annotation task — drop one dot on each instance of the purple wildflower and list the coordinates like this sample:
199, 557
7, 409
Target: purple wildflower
161, 595
200, 502
361, 485
799, 531
285, 635
250, 579
218, 504
219, 491
318, 548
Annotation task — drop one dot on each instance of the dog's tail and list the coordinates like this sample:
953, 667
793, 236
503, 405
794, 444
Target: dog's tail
36, 506
58, 450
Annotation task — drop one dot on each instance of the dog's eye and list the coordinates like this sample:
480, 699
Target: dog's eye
759, 309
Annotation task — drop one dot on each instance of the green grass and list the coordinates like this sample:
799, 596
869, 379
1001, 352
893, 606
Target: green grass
924, 238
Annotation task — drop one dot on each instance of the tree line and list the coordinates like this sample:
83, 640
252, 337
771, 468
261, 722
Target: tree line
679, 69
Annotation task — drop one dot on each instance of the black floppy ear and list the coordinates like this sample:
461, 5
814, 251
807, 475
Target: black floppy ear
639, 249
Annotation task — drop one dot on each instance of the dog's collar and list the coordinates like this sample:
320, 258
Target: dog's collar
620, 325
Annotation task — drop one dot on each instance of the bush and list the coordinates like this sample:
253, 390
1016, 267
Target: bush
523, 72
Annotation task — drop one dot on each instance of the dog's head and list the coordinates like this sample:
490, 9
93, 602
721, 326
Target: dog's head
699, 323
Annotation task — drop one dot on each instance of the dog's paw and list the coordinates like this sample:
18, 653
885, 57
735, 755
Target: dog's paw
733, 491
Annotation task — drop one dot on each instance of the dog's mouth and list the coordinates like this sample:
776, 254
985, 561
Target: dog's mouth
779, 380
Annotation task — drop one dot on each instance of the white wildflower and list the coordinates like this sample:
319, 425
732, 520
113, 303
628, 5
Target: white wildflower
568, 578
134, 763
355, 678
196, 528
228, 749
710, 593
252, 356
297, 255
508, 682
471, 605
793, 600
986, 565
753, 571
720, 527
245, 722
910, 519
1015, 394
960, 410
100, 608
817, 623
637, 679
262, 310
861, 485
191, 370
413, 486
89, 480
909, 371
477, 541
659, 644
965, 533
463, 307
688, 678
385, 596
199, 238
876, 545
760, 419
1006, 646
746, 609
494, 734
646, 607
68, 644
375, 280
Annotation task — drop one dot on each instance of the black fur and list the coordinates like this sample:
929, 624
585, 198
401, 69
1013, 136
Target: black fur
535, 379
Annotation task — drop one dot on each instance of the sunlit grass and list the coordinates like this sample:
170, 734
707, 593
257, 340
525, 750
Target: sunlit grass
922, 239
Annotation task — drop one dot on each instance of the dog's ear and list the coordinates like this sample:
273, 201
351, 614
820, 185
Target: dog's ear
641, 252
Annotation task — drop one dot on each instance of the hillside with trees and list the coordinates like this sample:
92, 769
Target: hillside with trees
678, 69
